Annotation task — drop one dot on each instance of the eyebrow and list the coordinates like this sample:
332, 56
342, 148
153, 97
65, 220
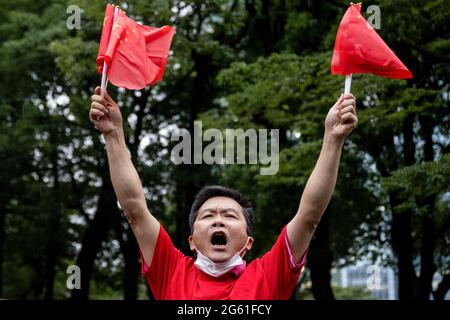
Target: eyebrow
221, 210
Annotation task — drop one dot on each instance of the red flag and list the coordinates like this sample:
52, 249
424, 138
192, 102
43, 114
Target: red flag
359, 49
135, 55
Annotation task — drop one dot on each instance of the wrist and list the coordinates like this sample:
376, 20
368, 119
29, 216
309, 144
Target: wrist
333, 141
115, 136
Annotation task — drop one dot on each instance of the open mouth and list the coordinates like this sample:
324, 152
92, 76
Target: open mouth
219, 240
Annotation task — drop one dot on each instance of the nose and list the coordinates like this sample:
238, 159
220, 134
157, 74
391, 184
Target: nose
218, 223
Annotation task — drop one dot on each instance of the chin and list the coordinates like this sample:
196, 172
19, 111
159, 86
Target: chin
219, 257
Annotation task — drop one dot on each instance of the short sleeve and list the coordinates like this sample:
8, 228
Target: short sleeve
166, 258
281, 270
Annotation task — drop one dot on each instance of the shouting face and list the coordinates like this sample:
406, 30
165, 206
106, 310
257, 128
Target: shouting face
220, 230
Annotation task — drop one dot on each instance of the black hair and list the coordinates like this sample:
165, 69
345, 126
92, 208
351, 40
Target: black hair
220, 191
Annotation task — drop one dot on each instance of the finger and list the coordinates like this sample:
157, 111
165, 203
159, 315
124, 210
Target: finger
100, 107
346, 103
99, 99
95, 115
338, 101
349, 96
349, 118
106, 97
347, 109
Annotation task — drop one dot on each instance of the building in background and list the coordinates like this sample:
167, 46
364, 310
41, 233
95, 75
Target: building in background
380, 281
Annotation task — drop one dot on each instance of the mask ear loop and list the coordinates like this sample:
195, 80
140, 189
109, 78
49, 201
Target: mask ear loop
195, 250
248, 239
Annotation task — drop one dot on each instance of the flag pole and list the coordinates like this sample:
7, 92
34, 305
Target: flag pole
348, 83
104, 82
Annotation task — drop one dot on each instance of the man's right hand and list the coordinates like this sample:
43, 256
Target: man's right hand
105, 113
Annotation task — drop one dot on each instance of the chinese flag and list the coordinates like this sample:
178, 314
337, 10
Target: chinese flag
359, 49
135, 55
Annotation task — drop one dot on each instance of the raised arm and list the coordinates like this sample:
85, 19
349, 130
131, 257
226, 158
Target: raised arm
106, 117
340, 121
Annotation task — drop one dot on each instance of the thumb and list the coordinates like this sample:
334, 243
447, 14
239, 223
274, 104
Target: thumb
98, 91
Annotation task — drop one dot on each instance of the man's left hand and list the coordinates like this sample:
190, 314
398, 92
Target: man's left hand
341, 119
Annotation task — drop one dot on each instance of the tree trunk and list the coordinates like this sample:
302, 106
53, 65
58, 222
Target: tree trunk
52, 253
184, 196
96, 232
53, 223
130, 251
320, 259
429, 232
132, 267
401, 230
427, 266
401, 239
2, 241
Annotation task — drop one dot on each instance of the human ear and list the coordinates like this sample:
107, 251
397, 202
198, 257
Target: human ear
250, 243
191, 243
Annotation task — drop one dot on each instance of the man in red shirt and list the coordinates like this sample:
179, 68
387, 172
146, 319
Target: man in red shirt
221, 221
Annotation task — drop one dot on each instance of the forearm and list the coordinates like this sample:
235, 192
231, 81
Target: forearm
322, 182
125, 179
340, 121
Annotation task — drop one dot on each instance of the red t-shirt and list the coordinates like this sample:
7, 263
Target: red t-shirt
173, 276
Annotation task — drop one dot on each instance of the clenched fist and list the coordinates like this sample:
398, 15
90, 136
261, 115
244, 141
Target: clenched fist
341, 119
104, 113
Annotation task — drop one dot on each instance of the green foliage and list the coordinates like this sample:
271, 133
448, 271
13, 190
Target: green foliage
352, 293
419, 181
414, 185
340, 293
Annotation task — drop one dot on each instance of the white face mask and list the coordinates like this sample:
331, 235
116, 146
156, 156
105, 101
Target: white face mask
216, 269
